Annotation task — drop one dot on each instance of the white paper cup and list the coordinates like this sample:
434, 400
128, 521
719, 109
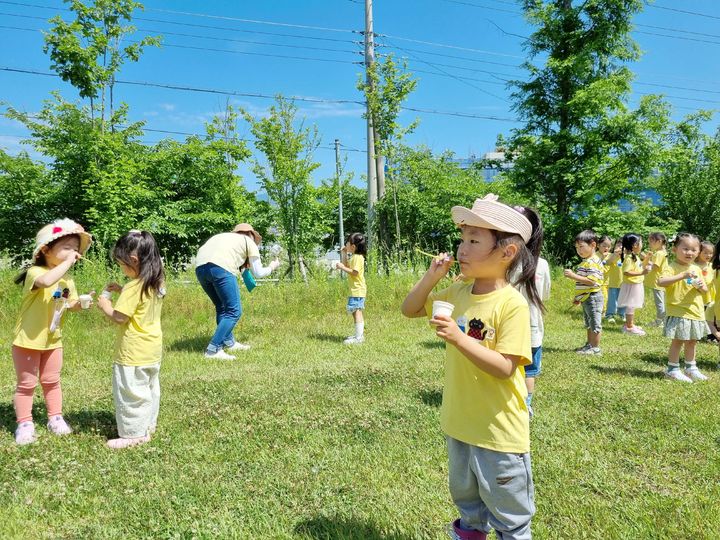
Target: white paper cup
85, 300
442, 308
106, 294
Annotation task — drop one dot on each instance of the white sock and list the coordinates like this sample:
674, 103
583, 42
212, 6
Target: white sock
690, 364
359, 329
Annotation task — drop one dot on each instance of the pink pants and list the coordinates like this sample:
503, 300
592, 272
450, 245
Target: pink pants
28, 362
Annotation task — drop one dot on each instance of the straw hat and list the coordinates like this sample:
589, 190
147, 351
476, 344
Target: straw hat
246, 227
489, 213
58, 229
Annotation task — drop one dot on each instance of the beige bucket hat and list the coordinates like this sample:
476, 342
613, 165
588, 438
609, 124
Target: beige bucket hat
489, 213
246, 227
58, 229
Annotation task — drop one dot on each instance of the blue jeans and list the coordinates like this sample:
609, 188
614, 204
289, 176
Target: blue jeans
222, 288
612, 307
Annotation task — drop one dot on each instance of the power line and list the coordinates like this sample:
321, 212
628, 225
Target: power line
686, 12
483, 7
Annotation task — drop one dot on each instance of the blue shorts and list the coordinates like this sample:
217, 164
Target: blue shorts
355, 303
534, 369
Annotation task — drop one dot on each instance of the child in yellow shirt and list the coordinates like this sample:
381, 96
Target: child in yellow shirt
632, 293
685, 323
656, 262
356, 248
138, 347
614, 278
604, 247
704, 261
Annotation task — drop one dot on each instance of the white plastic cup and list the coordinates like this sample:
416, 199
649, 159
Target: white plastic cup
442, 308
85, 301
106, 294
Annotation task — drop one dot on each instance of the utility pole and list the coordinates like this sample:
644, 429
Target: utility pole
371, 166
340, 201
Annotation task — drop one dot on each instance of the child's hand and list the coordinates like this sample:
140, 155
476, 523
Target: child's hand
568, 273
446, 328
103, 302
343, 249
688, 274
73, 256
440, 265
113, 287
274, 264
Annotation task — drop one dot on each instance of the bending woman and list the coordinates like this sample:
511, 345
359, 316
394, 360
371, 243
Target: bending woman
218, 264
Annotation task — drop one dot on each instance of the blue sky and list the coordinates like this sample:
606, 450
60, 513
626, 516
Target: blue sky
466, 76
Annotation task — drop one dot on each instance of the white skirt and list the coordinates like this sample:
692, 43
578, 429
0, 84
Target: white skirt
632, 295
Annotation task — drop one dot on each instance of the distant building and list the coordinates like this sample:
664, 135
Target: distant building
491, 163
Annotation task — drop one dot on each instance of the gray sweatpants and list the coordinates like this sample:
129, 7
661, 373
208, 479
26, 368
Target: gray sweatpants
492, 490
136, 391
659, 297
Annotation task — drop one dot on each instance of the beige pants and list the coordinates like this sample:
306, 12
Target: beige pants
136, 391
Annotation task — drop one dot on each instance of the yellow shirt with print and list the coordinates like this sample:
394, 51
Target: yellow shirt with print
139, 340
358, 288
615, 277
681, 298
478, 408
716, 305
659, 263
631, 265
32, 329
708, 276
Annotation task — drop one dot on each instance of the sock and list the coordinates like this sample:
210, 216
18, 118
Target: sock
359, 329
690, 364
673, 367
528, 399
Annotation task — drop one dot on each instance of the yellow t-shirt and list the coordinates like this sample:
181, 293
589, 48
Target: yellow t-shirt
228, 251
358, 288
708, 276
591, 269
630, 265
606, 269
139, 340
478, 408
716, 304
32, 329
659, 263
615, 277
681, 298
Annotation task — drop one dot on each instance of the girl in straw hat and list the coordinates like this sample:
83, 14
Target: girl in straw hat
488, 341
218, 264
37, 347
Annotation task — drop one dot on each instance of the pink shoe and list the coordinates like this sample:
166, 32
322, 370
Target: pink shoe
456, 533
58, 426
121, 442
634, 330
25, 433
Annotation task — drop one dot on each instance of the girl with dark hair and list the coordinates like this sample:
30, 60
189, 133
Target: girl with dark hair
355, 248
488, 339
656, 262
632, 293
138, 347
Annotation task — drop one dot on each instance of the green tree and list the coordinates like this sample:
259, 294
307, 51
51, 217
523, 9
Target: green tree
688, 177
354, 209
386, 88
87, 51
288, 148
580, 147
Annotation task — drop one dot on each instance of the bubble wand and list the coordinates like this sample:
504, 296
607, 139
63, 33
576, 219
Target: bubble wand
436, 257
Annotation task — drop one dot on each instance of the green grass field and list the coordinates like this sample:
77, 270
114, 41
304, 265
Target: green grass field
305, 438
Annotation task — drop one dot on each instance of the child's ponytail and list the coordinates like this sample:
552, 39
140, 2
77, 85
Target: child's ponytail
527, 258
142, 245
628, 241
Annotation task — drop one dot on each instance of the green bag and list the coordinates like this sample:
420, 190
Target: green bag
249, 279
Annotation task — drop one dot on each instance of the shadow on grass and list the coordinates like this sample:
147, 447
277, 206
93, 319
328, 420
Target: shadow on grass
93, 421
192, 344
433, 344
330, 338
632, 372
660, 360
433, 398
98, 421
347, 529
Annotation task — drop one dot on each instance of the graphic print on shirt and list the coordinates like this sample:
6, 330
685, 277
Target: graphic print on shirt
479, 330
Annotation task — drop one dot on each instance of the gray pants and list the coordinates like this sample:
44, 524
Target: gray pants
492, 490
659, 297
136, 391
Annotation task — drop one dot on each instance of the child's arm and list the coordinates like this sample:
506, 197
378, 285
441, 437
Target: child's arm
414, 304
496, 364
105, 306
347, 269
666, 281
580, 279
645, 270
52, 276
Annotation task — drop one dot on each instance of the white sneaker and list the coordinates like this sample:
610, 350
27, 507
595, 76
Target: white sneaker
25, 433
219, 355
591, 351
695, 374
677, 375
583, 348
353, 340
237, 346
58, 426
